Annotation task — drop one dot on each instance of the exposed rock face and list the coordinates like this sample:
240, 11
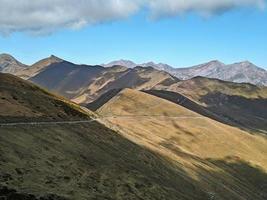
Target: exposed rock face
9, 64
243, 72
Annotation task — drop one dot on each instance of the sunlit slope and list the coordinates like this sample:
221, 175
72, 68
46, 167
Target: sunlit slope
242, 104
130, 102
196, 142
162, 120
76, 161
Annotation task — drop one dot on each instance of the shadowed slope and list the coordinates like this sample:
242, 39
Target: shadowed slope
187, 103
23, 101
200, 86
75, 78
87, 162
38, 67
103, 99
241, 104
84, 84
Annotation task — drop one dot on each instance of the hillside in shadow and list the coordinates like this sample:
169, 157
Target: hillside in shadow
246, 113
87, 162
250, 113
92, 162
102, 99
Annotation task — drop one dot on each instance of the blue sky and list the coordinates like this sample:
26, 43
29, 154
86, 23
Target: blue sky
179, 40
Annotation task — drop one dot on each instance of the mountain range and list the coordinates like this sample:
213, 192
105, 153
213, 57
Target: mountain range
84, 83
242, 72
120, 132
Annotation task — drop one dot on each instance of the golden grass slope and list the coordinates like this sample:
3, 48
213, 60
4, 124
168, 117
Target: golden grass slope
240, 104
164, 121
187, 138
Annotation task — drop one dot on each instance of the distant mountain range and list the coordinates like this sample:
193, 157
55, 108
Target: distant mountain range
131, 64
242, 72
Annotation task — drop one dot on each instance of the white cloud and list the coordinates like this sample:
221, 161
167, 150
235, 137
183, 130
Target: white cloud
205, 7
48, 15
44, 16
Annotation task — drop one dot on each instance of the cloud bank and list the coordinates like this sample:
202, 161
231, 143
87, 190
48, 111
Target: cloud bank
46, 16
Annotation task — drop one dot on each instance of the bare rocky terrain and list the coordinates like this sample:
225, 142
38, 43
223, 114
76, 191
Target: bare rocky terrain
241, 72
9, 64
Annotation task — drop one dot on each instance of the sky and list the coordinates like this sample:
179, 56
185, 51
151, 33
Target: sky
177, 32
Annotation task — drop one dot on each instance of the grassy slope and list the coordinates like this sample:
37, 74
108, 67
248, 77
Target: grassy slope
241, 104
22, 101
184, 101
203, 146
104, 98
86, 161
91, 161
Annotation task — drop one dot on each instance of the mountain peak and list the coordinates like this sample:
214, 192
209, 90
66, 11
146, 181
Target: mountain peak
150, 64
54, 58
47, 61
216, 62
121, 62
8, 64
7, 57
246, 62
